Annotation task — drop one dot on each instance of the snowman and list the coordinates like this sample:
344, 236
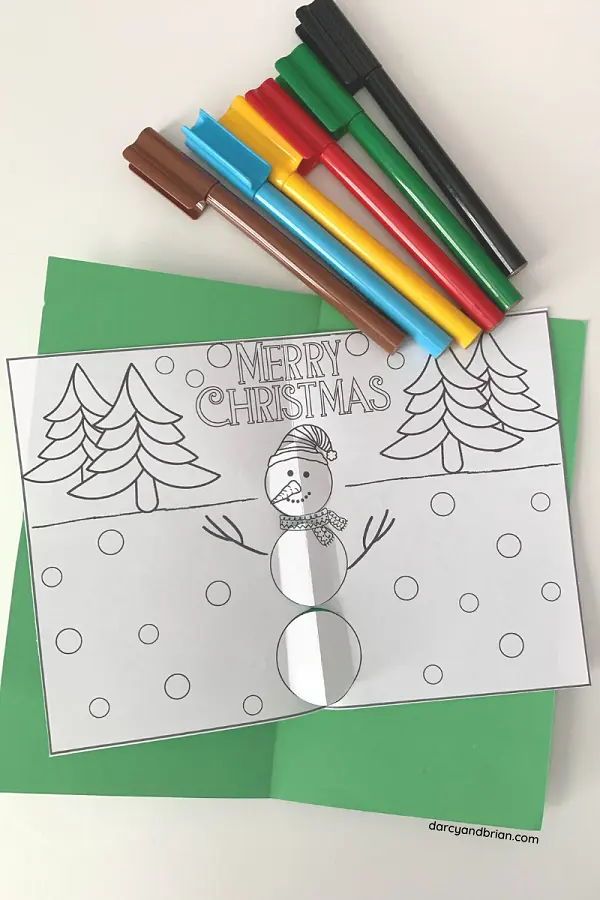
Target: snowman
308, 562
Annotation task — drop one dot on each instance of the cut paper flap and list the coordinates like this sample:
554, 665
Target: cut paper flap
318, 657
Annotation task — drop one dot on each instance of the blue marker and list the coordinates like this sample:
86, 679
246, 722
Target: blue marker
249, 173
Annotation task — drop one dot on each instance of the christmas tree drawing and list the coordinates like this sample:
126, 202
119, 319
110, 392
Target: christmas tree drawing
72, 433
140, 445
448, 411
505, 390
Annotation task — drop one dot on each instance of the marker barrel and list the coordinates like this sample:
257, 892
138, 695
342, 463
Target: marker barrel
327, 31
357, 273
314, 274
421, 247
486, 229
381, 260
466, 249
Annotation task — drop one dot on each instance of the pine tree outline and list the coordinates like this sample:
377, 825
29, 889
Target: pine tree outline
133, 452
83, 435
481, 365
456, 393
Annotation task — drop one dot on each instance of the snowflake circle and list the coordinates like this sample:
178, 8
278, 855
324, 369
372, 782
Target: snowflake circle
357, 344
433, 674
252, 705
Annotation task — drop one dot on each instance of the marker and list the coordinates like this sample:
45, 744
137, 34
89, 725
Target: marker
249, 174
256, 133
339, 112
192, 189
330, 35
315, 145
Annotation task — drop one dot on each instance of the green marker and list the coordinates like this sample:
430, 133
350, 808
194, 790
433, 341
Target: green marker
306, 78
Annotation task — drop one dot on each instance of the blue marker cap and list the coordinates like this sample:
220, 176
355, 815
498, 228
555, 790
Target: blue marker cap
249, 173
226, 155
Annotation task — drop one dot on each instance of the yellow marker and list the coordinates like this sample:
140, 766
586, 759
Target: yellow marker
254, 131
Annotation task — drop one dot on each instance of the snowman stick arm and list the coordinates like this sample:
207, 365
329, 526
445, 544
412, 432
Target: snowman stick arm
382, 529
222, 535
235, 528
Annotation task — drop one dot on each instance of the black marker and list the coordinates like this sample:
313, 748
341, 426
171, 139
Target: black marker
326, 30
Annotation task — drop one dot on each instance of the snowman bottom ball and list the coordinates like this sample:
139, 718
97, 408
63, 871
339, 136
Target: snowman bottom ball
305, 570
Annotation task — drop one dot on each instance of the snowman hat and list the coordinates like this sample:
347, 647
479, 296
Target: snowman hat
305, 442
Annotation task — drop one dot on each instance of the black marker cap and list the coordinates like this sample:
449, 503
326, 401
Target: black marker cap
329, 34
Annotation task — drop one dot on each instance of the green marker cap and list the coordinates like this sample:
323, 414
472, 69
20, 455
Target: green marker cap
303, 75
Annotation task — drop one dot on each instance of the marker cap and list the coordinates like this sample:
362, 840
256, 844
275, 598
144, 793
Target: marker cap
318, 89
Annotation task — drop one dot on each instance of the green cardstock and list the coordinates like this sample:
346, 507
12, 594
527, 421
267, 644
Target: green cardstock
481, 760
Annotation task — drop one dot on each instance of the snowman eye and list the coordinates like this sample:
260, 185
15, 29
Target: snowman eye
290, 473
306, 474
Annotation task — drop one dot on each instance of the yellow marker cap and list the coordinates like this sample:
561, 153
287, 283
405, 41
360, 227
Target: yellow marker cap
254, 131
249, 127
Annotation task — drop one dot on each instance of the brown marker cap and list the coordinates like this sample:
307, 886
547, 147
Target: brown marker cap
191, 188
169, 171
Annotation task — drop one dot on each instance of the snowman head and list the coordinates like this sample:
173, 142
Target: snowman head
298, 479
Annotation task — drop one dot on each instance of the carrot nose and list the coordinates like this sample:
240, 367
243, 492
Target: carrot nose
292, 487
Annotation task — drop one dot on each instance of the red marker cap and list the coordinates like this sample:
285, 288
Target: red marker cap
291, 121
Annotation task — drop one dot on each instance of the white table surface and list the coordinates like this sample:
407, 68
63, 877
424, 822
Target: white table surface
512, 89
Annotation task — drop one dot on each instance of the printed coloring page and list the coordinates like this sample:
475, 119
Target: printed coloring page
238, 532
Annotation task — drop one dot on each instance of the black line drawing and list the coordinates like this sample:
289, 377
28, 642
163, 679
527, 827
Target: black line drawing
218, 593
541, 502
357, 343
163, 509
99, 707
509, 545
194, 378
395, 360
551, 591
469, 602
442, 504
72, 433
177, 686
219, 355
233, 534
111, 542
148, 633
406, 587
68, 641
505, 390
164, 365
433, 674
369, 541
51, 576
252, 705
511, 645
449, 410
140, 446
358, 484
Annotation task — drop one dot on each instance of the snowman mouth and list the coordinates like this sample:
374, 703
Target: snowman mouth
298, 499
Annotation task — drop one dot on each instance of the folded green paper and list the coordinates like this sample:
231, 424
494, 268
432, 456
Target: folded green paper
478, 760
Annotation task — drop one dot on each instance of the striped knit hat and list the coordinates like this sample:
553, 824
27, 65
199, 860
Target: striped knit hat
305, 442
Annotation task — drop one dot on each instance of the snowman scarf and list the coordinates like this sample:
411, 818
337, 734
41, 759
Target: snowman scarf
315, 522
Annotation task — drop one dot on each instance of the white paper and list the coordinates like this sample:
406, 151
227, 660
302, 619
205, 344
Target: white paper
186, 505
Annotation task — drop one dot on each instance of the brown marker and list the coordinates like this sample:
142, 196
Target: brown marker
192, 188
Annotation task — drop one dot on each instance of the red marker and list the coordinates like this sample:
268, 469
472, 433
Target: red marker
314, 143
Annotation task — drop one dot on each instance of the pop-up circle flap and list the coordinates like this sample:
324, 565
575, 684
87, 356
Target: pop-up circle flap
319, 657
